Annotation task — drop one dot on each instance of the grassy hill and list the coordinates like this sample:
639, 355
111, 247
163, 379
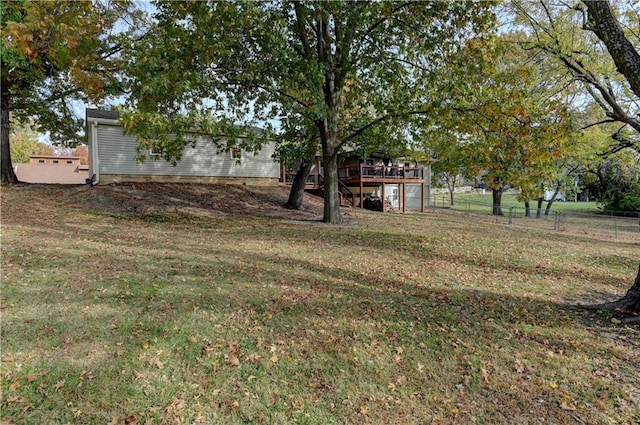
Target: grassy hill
167, 305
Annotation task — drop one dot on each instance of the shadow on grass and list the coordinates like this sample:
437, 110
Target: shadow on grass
330, 308
182, 297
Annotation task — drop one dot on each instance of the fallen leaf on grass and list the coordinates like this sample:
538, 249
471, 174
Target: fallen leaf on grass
175, 406
210, 347
274, 357
234, 360
27, 407
131, 420
32, 377
13, 399
59, 384
234, 353
156, 362
485, 375
253, 358
567, 406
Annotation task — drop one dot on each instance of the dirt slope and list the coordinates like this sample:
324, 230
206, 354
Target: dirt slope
215, 199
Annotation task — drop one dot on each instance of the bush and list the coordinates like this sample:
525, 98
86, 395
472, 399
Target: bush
630, 201
625, 199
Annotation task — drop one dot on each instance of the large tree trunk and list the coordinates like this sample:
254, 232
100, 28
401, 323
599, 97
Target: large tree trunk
331, 189
6, 167
551, 201
328, 136
547, 210
604, 24
527, 208
328, 129
539, 207
497, 201
296, 195
630, 303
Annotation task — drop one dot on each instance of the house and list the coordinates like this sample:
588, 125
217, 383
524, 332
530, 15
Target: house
113, 158
50, 169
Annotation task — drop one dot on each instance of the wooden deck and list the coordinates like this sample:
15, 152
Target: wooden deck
371, 175
363, 175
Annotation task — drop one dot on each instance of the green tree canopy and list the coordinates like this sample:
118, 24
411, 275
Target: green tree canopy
24, 143
501, 119
320, 64
54, 53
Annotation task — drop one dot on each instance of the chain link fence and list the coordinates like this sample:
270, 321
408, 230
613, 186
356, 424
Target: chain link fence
602, 225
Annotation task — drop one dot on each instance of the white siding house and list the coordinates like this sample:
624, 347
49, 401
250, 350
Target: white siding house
113, 158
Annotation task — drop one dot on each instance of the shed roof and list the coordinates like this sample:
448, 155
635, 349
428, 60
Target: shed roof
100, 113
54, 156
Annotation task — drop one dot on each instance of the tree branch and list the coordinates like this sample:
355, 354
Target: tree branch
606, 27
598, 123
300, 24
377, 121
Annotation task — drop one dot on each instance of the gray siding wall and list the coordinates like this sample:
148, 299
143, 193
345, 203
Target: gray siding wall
117, 155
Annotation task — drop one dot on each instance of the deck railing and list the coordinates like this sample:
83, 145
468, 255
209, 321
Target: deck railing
313, 179
364, 171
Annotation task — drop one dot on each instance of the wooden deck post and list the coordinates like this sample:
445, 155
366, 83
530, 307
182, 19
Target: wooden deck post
422, 196
404, 197
361, 186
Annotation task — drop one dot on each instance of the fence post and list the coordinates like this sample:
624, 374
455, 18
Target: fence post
557, 221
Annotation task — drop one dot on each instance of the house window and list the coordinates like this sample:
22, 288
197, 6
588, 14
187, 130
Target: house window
155, 151
69, 162
41, 161
55, 161
236, 153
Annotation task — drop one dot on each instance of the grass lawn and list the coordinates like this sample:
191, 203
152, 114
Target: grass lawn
389, 319
481, 203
